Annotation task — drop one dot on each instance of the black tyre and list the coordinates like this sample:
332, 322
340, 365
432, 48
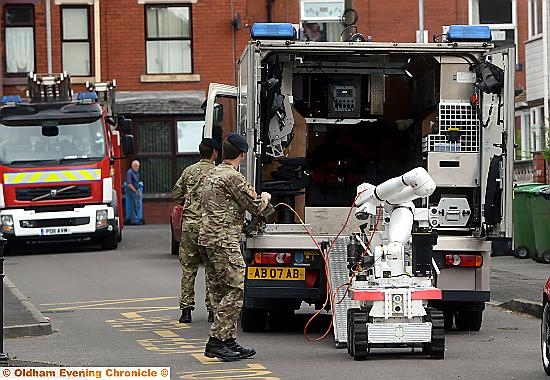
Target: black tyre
545, 338
253, 320
545, 257
521, 252
110, 242
360, 335
175, 250
436, 348
448, 319
349, 323
469, 320
281, 320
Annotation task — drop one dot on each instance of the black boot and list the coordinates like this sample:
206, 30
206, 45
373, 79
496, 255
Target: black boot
185, 315
245, 352
210, 316
216, 348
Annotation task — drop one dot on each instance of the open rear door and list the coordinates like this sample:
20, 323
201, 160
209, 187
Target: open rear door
497, 148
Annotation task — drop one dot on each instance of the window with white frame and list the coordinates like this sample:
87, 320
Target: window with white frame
499, 15
536, 128
535, 18
19, 34
189, 135
169, 37
321, 19
75, 34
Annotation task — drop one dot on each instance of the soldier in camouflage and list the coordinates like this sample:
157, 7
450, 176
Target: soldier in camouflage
186, 192
226, 196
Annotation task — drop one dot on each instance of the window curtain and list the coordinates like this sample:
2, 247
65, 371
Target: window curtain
171, 56
19, 50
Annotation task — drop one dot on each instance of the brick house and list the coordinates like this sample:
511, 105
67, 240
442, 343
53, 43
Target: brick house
164, 54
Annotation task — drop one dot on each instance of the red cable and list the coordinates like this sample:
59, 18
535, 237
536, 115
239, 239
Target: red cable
330, 294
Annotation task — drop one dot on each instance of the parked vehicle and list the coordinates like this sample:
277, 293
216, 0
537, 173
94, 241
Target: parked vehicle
320, 118
175, 229
60, 173
545, 328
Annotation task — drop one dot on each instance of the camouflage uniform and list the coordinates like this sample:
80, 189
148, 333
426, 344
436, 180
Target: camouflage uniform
186, 192
226, 195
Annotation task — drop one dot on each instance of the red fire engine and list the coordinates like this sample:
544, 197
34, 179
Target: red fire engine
60, 174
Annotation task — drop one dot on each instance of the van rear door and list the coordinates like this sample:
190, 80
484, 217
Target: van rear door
497, 147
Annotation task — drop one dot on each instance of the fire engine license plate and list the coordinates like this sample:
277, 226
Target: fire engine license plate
276, 273
56, 231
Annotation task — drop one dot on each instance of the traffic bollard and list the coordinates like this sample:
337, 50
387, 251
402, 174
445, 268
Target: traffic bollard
3, 356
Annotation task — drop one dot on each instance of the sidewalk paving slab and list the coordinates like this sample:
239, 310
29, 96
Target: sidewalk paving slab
21, 317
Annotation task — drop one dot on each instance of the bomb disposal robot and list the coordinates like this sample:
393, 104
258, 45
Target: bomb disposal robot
393, 284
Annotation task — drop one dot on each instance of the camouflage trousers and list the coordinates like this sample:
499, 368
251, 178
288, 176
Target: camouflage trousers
227, 290
191, 256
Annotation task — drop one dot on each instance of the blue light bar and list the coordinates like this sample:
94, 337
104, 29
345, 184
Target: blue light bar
273, 31
87, 96
469, 33
10, 99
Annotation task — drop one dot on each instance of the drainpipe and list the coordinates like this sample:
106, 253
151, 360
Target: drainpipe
48, 36
421, 21
269, 6
97, 41
545, 68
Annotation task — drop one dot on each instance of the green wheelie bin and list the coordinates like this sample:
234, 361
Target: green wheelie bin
524, 234
539, 201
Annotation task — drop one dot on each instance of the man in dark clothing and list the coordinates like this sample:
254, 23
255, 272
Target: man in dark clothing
133, 191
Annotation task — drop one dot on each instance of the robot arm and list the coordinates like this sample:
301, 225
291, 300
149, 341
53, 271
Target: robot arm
412, 185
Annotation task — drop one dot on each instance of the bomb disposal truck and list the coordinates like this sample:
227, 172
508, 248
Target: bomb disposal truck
323, 118
60, 174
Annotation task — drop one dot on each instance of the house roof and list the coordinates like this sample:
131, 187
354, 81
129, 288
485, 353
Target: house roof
159, 102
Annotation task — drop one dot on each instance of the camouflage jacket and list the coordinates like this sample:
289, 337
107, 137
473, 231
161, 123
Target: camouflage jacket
186, 192
226, 196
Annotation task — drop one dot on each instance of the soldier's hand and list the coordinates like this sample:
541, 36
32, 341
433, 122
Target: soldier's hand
265, 195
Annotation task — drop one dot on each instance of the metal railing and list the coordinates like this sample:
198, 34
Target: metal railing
523, 171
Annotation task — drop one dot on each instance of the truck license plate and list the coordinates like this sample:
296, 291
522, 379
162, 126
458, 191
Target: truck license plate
276, 273
56, 231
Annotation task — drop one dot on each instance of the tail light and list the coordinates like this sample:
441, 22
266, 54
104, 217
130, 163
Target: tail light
272, 258
461, 260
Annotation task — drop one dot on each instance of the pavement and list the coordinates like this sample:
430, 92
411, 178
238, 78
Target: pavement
21, 318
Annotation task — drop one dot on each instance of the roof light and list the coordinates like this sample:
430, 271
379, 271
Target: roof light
87, 97
10, 99
273, 31
469, 33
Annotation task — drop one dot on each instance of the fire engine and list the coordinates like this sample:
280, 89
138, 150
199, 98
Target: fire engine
322, 118
60, 173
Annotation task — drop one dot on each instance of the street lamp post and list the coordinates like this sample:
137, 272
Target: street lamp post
3, 356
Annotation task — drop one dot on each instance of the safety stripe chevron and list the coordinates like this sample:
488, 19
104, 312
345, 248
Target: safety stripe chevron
52, 176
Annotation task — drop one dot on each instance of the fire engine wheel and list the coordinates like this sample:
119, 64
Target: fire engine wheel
359, 333
436, 348
468, 320
109, 243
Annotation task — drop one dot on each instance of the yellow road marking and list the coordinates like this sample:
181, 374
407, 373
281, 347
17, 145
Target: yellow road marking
108, 303
204, 360
166, 333
251, 371
139, 299
133, 316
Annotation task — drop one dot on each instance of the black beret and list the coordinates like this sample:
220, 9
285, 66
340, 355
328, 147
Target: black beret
211, 143
238, 142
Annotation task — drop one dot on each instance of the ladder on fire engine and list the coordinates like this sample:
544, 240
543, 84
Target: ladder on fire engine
339, 274
45, 88
105, 93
